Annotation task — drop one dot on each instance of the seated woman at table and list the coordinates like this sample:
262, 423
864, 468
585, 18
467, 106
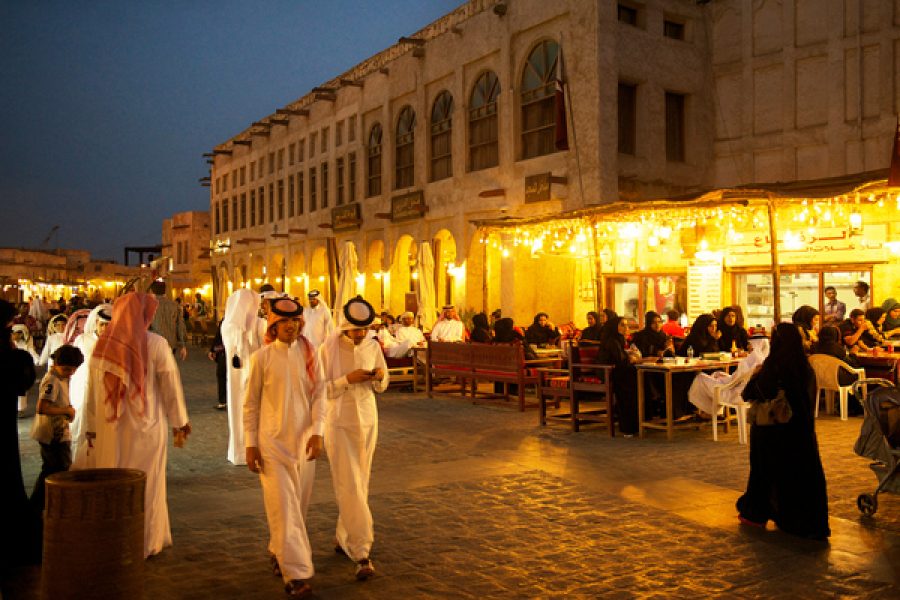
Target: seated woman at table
830, 343
624, 376
702, 337
481, 329
806, 318
786, 482
650, 340
891, 325
873, 335
731, 325
542, 332
591, 333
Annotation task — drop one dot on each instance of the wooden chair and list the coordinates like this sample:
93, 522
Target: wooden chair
585, 384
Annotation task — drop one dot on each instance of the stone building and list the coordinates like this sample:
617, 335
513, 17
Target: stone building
460, 125
185, 255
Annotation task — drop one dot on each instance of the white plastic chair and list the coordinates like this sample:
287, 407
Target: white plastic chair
827, 369
728, 395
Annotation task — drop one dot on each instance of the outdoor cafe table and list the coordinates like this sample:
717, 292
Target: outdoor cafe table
651, 365
884, 363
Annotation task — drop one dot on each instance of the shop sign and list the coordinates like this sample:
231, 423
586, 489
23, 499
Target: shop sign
537, 187
345, 218
408, 206
801, 247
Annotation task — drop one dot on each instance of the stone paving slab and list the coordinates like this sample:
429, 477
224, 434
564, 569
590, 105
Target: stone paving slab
479, 501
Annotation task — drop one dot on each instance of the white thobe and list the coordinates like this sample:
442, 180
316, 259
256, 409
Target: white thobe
53, 341
77, 391
318, 324
350, 436
411, 334
281, 411
447, 330
392, 346
136, 441
241, 343
702, 389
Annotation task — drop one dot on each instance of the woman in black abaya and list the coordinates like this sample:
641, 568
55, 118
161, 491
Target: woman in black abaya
786, 483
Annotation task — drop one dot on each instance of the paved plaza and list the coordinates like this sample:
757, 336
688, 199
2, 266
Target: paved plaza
474, 501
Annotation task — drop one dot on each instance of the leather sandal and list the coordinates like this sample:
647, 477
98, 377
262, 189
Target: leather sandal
364, 569
276, 568
297, 588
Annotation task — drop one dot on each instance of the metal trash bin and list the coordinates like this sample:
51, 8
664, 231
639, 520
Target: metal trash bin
94, 534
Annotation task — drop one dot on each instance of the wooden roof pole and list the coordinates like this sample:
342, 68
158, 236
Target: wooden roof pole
776, 267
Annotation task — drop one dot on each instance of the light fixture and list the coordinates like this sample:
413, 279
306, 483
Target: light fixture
855, 221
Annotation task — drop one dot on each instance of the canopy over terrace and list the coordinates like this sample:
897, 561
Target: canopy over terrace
840, 221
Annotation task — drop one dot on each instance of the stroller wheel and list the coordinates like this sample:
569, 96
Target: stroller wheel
867, 504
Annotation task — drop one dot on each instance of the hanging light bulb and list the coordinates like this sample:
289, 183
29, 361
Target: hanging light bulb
855, 221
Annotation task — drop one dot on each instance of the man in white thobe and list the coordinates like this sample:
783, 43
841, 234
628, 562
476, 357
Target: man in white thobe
133, 395
408, 332
354, 368
449, 328
284, 419
319, 322
96, 322
240, 336
393, 347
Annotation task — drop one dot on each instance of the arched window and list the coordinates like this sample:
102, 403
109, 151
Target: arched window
538, 100
441, 127
404, 157
483, 149
373, 185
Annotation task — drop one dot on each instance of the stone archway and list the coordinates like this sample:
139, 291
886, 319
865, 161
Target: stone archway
318, 274
275, 272
297, 278
449, 275
375, 276
401, 281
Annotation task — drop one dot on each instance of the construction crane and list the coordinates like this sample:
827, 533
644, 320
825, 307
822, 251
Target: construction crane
50, 235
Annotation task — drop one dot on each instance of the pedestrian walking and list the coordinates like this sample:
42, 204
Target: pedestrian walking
284, 420
240, 338
217, 355
317, 317
354, 368
169, 320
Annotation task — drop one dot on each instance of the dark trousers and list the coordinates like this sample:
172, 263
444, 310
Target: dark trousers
55, 457
222, 377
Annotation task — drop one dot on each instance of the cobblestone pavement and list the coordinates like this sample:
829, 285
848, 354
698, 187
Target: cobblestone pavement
478, 501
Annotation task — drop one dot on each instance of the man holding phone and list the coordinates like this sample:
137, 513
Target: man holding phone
354, 369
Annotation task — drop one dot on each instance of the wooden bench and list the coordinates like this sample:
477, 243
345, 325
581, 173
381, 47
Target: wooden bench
496, 363
584, 384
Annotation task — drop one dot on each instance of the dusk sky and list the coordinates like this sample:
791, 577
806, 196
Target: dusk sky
106, 107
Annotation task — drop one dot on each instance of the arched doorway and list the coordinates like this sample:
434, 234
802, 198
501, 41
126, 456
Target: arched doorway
318, 274
375, 277
448, 273
257, 271
402, 279
297, 278
275, 272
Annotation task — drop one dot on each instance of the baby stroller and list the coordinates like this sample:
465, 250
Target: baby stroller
879, 438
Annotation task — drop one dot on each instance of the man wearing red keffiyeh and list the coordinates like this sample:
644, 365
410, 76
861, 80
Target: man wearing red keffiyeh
133, 394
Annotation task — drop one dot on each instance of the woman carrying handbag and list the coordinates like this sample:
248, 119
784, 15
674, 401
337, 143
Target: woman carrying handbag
786, 483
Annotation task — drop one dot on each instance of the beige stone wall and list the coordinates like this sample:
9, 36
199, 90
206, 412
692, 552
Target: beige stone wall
804, 89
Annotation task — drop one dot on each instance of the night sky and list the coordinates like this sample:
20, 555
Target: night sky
106, 107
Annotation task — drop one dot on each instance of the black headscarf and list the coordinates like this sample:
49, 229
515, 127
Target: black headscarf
541, 334
504, 331
785, 368
481, 331
732, 333
699, 338
612, 344
591, 333
648, 341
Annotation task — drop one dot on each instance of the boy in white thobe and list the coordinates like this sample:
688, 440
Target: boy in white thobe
354, 368
284, 414
241, 339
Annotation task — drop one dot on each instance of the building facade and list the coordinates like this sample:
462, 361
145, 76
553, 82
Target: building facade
185, 255
462, 124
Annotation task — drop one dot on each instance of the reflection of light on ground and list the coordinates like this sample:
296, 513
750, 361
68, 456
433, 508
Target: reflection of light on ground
633, 493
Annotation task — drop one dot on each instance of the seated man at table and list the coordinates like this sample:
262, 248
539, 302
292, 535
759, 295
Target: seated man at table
853, 329
408, 332
392, 347
449, 328
542, 332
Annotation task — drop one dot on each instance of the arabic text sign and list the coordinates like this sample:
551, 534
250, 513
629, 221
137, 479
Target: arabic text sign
407, 206
537, 187
345, 218
797, 247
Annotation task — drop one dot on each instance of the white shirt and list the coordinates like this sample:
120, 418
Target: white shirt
351, 404
412, 334
447, 330
318, 324
281, 407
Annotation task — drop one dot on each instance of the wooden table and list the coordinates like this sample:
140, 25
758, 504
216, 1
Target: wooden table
651, 365
886, 363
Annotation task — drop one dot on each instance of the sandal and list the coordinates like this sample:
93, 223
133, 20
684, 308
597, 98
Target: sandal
297, 588
745, 521
276, 568
338, 548
364, 569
